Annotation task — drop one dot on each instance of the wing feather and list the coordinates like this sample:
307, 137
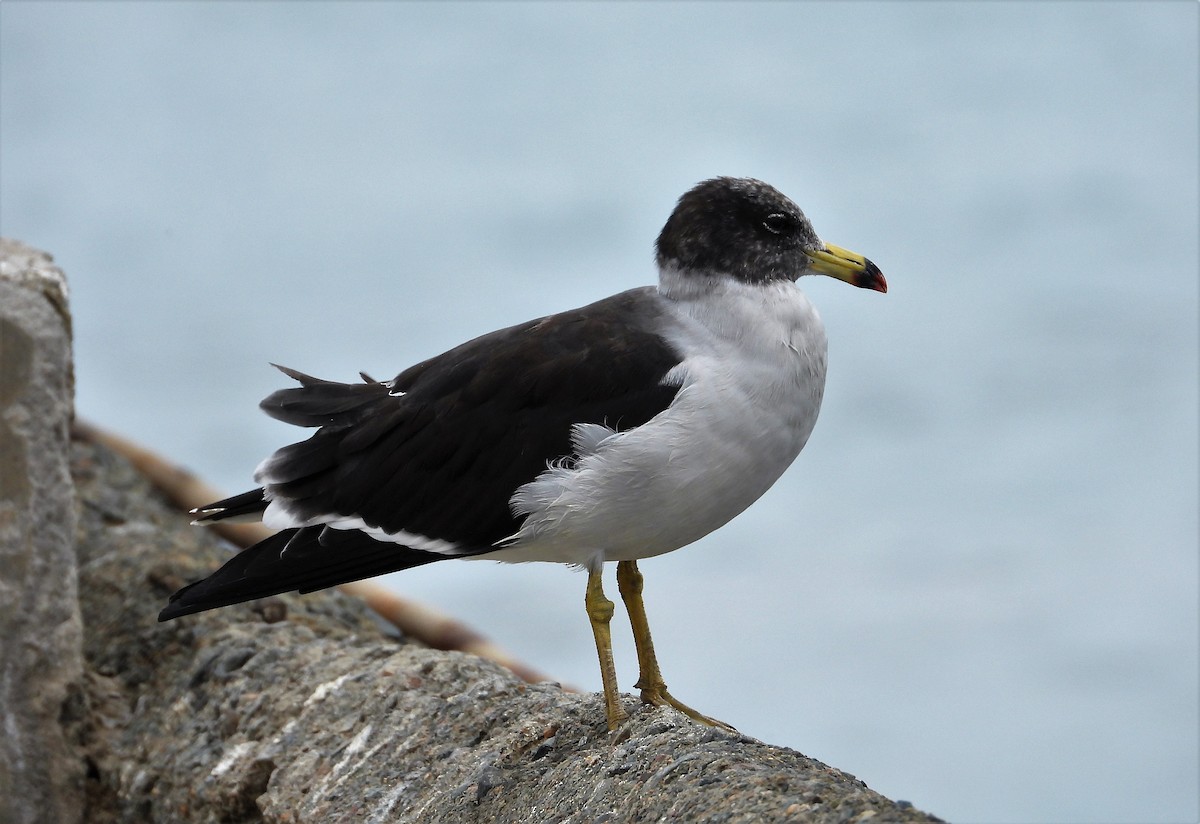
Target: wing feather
438, 451
427, 452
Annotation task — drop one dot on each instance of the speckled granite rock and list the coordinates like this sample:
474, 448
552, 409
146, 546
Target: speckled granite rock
41, 775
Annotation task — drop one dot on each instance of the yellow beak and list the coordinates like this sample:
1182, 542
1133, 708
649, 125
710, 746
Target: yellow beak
848, 266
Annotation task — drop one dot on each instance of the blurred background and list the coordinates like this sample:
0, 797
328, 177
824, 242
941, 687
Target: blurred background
976, 589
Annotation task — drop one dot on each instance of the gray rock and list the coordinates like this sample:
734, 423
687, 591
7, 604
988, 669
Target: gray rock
41, 665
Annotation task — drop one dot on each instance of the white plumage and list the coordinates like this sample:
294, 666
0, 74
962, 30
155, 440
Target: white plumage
751, 379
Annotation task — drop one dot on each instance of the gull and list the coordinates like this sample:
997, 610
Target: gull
617, 431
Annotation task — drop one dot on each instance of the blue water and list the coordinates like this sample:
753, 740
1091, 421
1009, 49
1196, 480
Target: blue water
977, 588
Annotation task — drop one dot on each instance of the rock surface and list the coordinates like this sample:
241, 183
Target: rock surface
41, 777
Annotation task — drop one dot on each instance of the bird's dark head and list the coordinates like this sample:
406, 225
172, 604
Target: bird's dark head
751, 231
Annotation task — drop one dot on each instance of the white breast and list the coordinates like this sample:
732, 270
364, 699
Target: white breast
751, 383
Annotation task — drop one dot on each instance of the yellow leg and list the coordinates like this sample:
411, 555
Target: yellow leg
650, 680
600, 613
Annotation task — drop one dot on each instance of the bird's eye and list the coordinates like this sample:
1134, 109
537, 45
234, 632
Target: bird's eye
777, 223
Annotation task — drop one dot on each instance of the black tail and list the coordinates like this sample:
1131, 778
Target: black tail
295, 560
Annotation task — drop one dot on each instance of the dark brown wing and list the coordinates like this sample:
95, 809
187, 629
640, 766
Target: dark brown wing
439, 451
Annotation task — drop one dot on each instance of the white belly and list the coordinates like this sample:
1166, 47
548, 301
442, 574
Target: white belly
751, 386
